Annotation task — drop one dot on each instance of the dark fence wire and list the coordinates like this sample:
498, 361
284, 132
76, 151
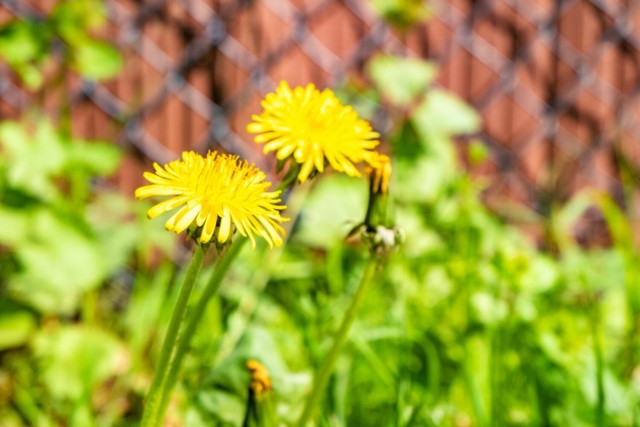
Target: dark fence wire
502, 42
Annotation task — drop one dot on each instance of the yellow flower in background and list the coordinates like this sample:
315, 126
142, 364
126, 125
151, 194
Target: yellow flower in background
313, 127
260, 379
379, 171
219, 194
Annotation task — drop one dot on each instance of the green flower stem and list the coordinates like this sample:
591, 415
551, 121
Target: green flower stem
152, 415
195, 316
323, 374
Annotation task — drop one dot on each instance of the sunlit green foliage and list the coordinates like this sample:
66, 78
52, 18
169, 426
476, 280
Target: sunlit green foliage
469, 323
30, 45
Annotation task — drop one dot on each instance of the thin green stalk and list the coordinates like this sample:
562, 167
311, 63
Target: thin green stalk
28, 408
472, 388
195, 316
153, 413
88, 307
599, 359
323, 374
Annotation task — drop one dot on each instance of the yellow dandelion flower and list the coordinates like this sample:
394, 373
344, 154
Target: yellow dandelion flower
260, 379
219, 194
379, 171
313, 127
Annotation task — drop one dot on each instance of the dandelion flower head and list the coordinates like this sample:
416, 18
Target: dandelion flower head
313, 127
219, 194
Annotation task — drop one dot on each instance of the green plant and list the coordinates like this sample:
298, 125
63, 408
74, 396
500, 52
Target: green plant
28, 45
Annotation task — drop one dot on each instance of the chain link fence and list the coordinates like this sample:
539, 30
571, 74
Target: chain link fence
556, 82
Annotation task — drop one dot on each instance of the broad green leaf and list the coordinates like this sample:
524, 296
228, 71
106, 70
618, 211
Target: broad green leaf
17, 325
335, 206
74, 360
541, 275
97, 158
58, 262
15, 226
224, 392
36, 158
33, 159
23, 44
109, 215
445, 115
75, 18
401, 79
423, 179
227, 409
20, 42
97, 60
257, 343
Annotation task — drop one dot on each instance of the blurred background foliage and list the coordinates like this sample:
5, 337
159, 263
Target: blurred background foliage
470, 323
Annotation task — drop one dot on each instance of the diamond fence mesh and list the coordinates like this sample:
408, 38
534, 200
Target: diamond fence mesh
556, 82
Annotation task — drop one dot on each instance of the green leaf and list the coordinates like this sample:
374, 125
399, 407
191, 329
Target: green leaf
226, 408
224, 392
17, 325
31, 76
15, 226
20, 42
74, 19
423, 179
23, 44
424, 166
401, 79
75, 360
403, 14
336, 205
97, 158
109, 215
96, 60
58, 263
33, 158
478, 152
444, 114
